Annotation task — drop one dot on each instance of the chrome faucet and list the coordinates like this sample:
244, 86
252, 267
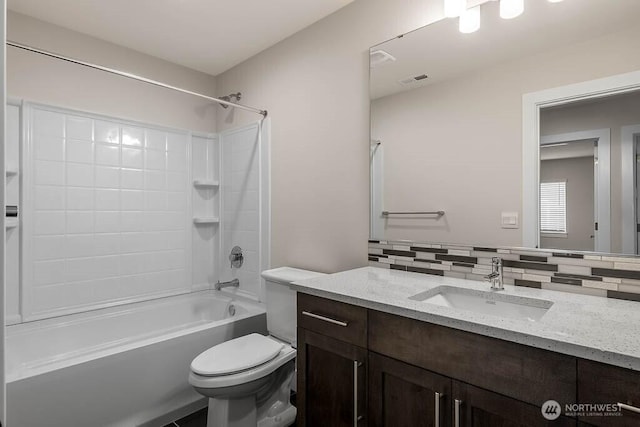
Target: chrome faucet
235, 283
495, 277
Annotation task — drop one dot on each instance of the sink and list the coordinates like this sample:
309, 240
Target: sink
483, 302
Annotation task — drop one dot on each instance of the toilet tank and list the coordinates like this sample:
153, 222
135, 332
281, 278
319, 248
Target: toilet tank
281, 300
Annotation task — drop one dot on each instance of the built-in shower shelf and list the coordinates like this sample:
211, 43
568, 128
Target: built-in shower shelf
206, 183
204, 220
10, 222
11, 172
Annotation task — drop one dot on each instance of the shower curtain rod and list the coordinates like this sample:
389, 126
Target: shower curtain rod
133, 77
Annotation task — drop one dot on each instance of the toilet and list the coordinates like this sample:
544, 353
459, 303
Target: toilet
248, 379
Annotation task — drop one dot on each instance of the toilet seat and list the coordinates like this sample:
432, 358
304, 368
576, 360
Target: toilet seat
236, 355
248, 374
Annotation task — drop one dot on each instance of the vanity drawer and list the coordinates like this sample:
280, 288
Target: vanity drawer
600, 383
524, 373
344, 322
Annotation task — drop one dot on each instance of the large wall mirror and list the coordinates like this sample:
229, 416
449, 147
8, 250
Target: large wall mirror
523, 133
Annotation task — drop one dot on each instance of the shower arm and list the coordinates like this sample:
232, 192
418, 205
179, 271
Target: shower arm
133, 77
237, 96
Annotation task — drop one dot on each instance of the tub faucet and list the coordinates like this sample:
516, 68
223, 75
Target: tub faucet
231, 283
495, 277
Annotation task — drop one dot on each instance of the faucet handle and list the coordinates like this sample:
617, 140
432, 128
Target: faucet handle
493, 275
236, 258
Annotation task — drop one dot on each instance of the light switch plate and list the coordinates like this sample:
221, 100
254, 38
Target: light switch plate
510, 220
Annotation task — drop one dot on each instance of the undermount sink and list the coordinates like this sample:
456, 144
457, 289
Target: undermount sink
483, 302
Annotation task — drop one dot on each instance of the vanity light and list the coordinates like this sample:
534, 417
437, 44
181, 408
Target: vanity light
454, 8
470, 20
511, 8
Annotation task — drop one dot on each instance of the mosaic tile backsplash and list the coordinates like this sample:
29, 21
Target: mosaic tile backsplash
591, 274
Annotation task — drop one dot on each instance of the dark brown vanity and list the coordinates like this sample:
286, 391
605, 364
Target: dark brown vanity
363, 367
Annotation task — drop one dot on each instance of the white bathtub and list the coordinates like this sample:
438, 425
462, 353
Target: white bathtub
122, 366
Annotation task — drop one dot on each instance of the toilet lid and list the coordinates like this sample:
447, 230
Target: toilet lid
236, 355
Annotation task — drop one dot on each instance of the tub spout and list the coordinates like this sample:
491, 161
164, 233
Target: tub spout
231, 283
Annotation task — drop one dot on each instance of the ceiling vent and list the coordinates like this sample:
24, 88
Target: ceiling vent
413, 79
380, 57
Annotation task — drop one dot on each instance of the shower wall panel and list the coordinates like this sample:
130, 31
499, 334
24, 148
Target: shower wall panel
245, 204
106, 212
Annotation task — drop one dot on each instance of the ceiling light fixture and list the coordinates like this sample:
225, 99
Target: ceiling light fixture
470, 20
511, 8
454, 8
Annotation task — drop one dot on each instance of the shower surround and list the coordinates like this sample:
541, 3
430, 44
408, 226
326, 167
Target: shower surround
118, 217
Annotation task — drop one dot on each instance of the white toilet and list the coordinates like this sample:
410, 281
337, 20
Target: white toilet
248, 379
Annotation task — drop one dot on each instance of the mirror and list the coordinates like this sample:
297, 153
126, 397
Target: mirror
453, 114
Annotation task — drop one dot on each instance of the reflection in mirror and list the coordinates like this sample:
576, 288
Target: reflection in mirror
567, 195
447, 128
576, 139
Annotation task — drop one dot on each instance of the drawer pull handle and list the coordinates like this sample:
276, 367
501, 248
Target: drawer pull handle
456, 413
629, 408
438, 397
325, 319
356, 418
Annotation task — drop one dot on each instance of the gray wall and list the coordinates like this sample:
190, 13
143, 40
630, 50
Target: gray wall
315, 86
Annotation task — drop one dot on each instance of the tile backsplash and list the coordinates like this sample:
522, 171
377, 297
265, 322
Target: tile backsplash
591, 274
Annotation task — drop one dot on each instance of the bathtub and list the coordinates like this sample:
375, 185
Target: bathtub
122, 366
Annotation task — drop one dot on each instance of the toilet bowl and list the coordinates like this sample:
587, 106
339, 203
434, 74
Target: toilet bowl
248, 380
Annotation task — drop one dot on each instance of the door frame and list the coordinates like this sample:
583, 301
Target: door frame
602, 180
532, 103
628, 155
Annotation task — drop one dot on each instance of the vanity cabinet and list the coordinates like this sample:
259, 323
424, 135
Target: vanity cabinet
332, 363
360, 367
402, 395
524, 373
510, 381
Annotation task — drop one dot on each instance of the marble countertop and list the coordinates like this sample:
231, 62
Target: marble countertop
595, 328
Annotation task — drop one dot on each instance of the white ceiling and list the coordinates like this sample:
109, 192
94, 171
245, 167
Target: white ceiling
442, 52
206, 35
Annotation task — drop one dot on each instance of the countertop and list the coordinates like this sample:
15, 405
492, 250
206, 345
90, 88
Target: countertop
595, 328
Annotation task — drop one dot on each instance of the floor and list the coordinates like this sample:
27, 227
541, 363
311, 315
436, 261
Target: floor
199, 418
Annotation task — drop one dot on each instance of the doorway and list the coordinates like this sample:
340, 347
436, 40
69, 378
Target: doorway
568, 193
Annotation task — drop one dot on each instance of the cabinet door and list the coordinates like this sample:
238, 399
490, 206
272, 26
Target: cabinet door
402, 395
481, 408
599, 383
331, 382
